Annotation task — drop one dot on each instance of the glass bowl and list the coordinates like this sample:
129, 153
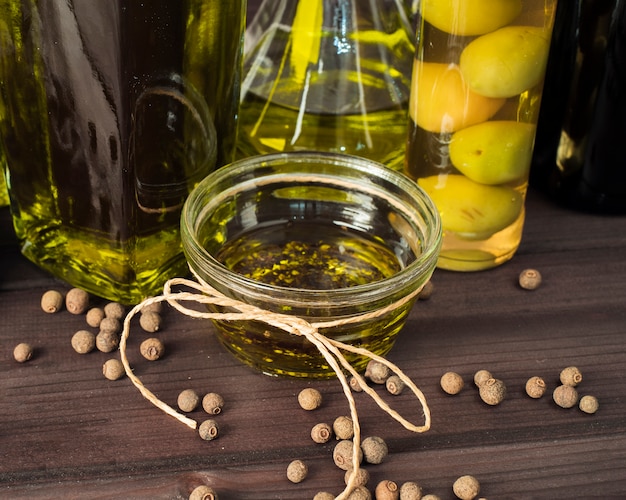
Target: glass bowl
321, 236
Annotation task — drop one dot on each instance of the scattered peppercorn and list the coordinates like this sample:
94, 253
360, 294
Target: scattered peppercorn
188, 400
83, 341
52, 301
208, 430
150, 321
23, 352
111, 325
343, 427
113, 369
77, 301
321, 433
212, 403
430, 496
394, 385
324, 495
114, 310
374, 449
362, 476
529, 279
152, 349
310, 399
571, 376
297, 471
481, 376
94, 316
493, 391
589, 404
360, 493
343, 454
466, 487
203, 492
153, 307
410, 491
107, 341
355, 384
565, 396
451, 383
427, 291
387, 490
377, 372
535, 387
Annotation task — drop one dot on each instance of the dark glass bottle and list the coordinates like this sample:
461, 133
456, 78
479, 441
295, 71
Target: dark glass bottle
579, 157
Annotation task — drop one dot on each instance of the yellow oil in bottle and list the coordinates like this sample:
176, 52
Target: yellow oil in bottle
107, 130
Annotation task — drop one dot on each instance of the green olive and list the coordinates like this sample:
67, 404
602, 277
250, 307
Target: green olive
470, 17
471, 210
506, 62
493, 152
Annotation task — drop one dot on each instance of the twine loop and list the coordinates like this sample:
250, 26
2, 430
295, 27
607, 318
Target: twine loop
330, 349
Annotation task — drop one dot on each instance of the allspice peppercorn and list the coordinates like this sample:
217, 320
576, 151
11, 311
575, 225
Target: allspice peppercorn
309, 399
466, 487
387, 490
114, 310
374, 449
83, 341
493, 391
481, 376
77, 301
297, 471
203, 492
343, 454
566, 396
362, 477
535, 387
343, 427
324, 495
571, 376
208, 430
360, 493
377, 372
152, 349
355, 384
451, 382
150, 321
111, 325
410, 491
94, 316
212, 403
588, 404
188, 400
52, 301
394, 385
321, 433
107, 341
529, 279
23, 352
113, 369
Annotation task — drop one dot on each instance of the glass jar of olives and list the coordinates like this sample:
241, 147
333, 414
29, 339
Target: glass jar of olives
477, 84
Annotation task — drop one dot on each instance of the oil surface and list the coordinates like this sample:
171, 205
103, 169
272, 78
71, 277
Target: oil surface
311, 256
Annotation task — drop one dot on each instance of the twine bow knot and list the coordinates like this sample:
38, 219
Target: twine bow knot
329, 348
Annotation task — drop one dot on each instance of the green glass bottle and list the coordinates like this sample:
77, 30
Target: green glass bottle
113, 112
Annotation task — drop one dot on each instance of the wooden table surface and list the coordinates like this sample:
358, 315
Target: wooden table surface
67, 432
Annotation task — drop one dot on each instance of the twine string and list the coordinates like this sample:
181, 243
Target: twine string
330, 349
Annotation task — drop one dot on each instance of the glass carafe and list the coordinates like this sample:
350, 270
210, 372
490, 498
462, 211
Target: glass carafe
328, 75
112, 112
